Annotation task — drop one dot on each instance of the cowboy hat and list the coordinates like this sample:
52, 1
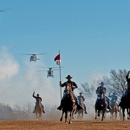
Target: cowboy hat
102, 83
68, 77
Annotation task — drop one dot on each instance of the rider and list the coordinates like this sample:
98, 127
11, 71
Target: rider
38, 99
101, 89
81, 97
113, 99
73, 86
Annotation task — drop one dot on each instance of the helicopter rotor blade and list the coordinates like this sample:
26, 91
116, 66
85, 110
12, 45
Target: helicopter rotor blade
25, 54
41, 70
50, 67
41, 54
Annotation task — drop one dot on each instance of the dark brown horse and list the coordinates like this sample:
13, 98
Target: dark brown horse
100, 106
68, 105
125, 105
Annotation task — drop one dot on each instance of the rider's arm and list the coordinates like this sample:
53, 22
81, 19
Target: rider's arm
83, 99
62, 85
97, 90
104, 90
74, 84
34, 95
127, 75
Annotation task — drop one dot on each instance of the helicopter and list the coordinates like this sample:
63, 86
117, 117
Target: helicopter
50, 71
3, 10
33, 57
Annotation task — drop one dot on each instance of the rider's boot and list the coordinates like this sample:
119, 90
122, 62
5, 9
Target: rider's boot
43, 109
78, 106
34, 110
61, 105
75, 111
85, 109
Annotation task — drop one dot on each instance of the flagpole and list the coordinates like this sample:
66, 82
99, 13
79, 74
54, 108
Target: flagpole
60, 79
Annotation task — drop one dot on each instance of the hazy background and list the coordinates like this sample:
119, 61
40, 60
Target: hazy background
92, 36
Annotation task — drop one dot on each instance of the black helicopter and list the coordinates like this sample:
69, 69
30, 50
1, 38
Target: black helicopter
33, 57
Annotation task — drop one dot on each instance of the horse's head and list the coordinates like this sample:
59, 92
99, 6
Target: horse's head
68, 88
100, 96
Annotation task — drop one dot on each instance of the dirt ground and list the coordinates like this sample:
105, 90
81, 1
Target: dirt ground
76, 125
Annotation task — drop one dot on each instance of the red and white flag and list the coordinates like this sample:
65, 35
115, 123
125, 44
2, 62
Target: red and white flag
57, 59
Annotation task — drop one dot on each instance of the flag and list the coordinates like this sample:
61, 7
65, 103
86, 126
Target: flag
57, 59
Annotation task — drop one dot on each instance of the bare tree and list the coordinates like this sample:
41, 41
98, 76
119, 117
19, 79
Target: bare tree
117, 81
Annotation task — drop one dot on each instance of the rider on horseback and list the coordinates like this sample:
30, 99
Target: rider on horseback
73, 86
38, 100
102, 90
81, 97
113, 100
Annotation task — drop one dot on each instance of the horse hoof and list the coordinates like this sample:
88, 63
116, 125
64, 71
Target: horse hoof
70, 122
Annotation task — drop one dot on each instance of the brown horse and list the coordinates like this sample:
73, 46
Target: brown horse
69, 105
38, 111
81, 111
114, 110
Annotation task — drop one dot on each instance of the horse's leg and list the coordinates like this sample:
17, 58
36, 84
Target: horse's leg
62, 116
70, 122
41, 115
95, 114
103, 115
123, 112
66, 116
116, 114
37, 116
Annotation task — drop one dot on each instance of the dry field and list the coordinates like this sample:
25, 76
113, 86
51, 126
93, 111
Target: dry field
76, 125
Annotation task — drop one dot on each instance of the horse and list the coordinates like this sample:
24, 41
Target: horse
100, 106
81, 111
38, 111
68, 105
125, 104
114, 110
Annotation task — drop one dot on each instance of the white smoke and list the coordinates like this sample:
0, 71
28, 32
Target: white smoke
8, 65
18, 84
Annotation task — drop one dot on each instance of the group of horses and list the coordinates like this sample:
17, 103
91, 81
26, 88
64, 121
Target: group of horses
70, 107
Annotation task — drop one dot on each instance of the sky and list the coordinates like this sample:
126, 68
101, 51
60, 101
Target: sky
92, 36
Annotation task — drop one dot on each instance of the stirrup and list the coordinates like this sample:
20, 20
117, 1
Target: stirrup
73, 100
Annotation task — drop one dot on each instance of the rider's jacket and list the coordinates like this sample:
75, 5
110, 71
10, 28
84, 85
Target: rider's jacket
101, 90
73, 85
81, 97
113, 97
128, 81
38, 99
